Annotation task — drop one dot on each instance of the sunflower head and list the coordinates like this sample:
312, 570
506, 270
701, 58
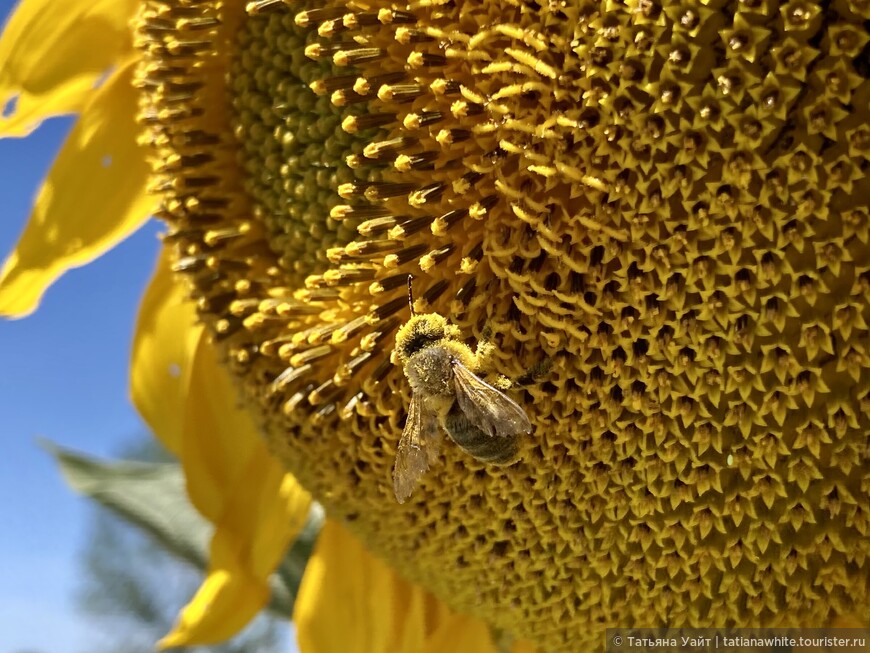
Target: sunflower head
666, 202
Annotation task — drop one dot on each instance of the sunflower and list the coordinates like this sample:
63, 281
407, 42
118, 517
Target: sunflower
654, 212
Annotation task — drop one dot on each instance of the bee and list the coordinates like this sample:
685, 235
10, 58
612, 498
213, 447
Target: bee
447, 396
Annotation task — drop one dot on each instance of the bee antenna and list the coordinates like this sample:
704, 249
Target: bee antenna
411, 295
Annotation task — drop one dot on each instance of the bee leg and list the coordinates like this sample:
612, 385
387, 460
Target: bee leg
501, 382
486, 349
534, 373
485, 353
485, 339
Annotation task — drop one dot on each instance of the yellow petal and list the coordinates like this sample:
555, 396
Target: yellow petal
258, 509
351, 601
164, 344
219, 438
461, 634
523, 647
222, 604
265, 515
52, 56
334, 609
94, 196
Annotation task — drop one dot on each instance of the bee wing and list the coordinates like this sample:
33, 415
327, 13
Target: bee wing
418, 448
489, 409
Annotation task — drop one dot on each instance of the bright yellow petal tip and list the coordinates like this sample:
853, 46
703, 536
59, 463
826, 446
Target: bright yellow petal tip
94, 197
222, 606
265, 516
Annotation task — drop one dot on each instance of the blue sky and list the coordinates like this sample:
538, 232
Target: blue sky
63, 377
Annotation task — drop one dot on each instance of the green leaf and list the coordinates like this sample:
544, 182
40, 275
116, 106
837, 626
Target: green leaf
151, 496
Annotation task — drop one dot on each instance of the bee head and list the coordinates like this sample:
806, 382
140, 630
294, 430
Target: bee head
419, 332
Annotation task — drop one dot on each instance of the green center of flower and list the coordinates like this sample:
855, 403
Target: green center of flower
292, 143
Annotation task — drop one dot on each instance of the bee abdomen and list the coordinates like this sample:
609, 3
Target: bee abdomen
495, 450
